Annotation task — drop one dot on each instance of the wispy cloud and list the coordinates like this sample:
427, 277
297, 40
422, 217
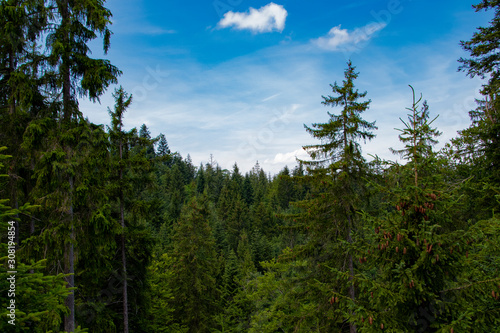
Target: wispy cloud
136, 28
339, 39
149, 30
270, 97
157, 31
269, 18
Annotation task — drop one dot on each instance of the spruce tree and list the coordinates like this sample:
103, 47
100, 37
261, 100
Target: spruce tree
120, 145
414, 258
163, 149
195, 266
336, 171
22, 23
39, 297
148, 143
483, 48
200, 180
74, 24
484, 132
130, 178
161, 297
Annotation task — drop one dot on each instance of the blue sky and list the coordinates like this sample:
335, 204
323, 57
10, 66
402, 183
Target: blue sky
239, 79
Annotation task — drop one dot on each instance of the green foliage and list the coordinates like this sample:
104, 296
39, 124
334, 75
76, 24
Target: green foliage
283, 300
330, 217
160, 314
481, 141
193, 283
412, 247
75, 24
483, 47
39, 297
341, 149
413, 259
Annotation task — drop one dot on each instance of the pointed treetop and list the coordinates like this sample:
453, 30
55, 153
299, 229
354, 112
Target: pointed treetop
163, 149
144, 132
340, 135
122, 102
256, 168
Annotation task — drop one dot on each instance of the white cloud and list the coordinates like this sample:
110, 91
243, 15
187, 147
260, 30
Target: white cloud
290, 157
343, 40
266, 19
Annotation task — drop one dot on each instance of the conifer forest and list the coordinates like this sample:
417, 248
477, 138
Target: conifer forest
107, 229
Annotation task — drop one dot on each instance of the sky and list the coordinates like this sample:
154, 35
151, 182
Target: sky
238, 79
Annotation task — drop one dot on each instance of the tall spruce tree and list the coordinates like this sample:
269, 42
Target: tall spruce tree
120, 146
75, 24
336, 170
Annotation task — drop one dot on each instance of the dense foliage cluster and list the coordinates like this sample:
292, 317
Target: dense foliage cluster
115, 232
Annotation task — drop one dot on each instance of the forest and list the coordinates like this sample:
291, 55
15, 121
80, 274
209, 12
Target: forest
105, 229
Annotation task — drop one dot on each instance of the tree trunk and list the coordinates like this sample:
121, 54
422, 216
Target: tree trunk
124, 255
352, 326
69, 267
65, 66
125, 287
69, 320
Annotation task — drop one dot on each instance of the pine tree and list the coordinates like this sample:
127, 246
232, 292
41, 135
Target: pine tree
97, 229
247, 190
232, 212
163, 154
163, 149
174, 183
285, 191
75, 25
